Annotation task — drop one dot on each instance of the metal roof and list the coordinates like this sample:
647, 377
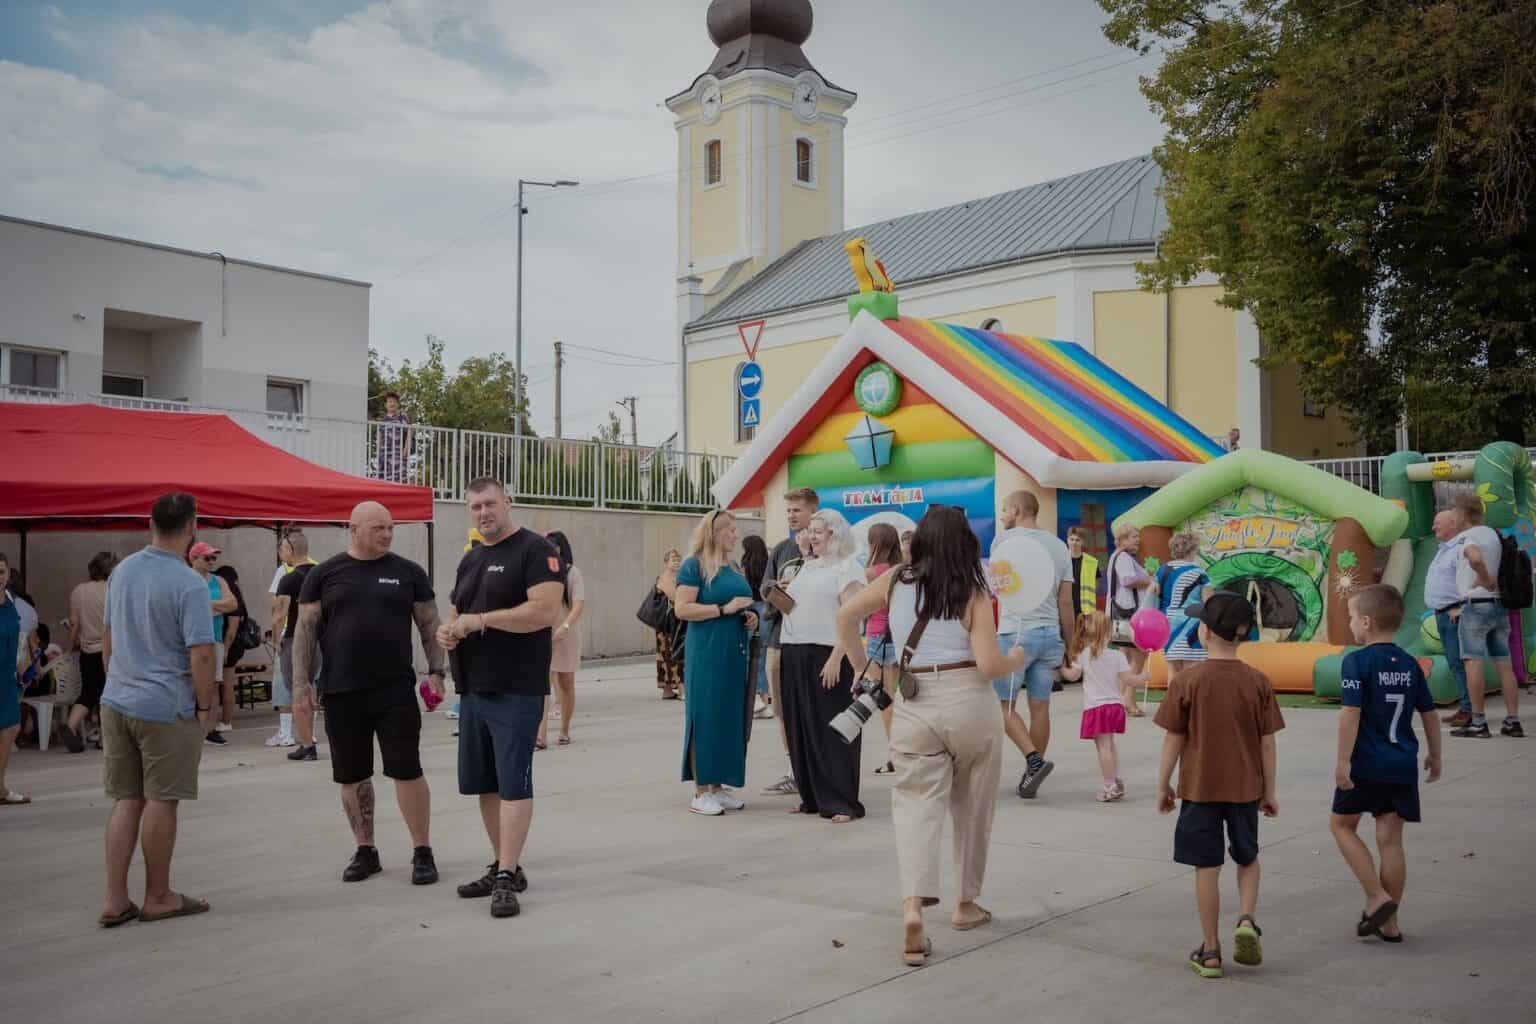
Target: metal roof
1110, 207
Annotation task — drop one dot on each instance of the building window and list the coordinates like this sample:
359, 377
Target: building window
1313, 410
712, 162
745, 431
285, 397
805, 162
122, 384
993, 324
28, 369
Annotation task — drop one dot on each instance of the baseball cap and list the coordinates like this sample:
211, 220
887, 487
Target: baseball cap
1227, 615
202, 548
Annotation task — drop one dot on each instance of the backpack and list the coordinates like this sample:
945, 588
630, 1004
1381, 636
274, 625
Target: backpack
246, 638
1515, 584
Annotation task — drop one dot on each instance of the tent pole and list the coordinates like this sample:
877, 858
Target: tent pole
21, 558
431, 556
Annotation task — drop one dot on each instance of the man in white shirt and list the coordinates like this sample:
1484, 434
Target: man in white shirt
1484, 624
1443, 597
1043, 633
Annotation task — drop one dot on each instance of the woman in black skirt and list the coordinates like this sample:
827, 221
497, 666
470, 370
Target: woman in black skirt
817, 677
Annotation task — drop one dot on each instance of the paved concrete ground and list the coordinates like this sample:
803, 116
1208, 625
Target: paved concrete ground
639, 911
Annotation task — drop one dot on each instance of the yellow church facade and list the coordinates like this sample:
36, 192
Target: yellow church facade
761, 234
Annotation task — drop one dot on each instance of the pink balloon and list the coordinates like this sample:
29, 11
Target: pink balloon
1149, 629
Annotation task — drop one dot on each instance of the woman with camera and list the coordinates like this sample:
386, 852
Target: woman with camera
714, 598
947, 738
816, 675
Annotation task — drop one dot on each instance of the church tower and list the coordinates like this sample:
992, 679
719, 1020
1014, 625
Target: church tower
759, 151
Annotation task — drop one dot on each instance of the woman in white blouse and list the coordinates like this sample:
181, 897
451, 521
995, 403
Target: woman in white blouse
817, 677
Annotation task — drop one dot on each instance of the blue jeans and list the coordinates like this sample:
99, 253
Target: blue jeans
1450, 637
1043, 653
1484, 631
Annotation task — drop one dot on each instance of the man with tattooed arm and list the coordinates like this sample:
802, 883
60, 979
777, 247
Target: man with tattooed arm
356, 611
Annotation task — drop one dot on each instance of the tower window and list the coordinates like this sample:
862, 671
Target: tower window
805, 161
712, 162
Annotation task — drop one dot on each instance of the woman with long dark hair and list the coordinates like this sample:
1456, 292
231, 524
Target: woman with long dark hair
754, 566
947, 739
565, 655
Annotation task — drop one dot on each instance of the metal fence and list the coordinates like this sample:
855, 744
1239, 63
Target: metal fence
535, 470
1365, 471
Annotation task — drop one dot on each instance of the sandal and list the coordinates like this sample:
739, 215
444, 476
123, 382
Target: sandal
564, 741
1250, 951
1200, 962
189, 906
540, 745
889, 768
918, 957
1370, 923
113, 920
1105, 794
965, 926
1394, 939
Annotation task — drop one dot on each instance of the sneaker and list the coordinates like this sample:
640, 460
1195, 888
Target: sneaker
216, 737
728, 800
1512, 730
486, 883
784, 787
279, 740
705, 803
1029, 784
225, 727
308, 753
1458, 719
451, 714
364, 862
423, 867
73, 740
504, 896
1479, 732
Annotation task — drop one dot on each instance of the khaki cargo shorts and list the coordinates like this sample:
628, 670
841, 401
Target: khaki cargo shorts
149, 760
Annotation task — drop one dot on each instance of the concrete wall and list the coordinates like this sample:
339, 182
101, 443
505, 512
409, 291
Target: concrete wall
249, 321
619, 554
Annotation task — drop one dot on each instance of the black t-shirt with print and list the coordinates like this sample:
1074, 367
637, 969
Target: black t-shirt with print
367, 622
493, 577
291, 586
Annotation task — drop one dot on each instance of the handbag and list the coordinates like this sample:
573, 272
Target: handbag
906, 680
1119, 619
655, 610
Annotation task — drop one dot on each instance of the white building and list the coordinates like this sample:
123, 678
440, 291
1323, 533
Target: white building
90, 314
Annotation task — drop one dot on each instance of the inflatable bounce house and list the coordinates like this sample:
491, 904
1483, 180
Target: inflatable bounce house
1296, 541
904, 413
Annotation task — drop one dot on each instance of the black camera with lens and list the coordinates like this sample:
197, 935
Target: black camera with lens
869, 698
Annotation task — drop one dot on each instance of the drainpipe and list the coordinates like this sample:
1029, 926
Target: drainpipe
223, 294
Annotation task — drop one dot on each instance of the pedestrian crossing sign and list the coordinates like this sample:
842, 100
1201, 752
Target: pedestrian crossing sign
751, 412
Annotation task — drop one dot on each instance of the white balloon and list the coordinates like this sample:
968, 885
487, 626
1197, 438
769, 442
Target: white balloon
1021, 573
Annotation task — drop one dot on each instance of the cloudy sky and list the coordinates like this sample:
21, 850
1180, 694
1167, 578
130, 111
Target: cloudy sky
383, 141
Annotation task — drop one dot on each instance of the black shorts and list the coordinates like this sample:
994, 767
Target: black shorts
1378, 798
93, 678
352, 720
1197, 838
496, 736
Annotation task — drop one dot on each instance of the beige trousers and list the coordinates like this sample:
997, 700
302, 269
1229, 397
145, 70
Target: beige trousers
947, 744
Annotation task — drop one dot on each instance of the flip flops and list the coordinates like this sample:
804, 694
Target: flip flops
113, 920
189, 906
1370, 923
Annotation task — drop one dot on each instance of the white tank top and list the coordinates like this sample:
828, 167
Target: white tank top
944, 642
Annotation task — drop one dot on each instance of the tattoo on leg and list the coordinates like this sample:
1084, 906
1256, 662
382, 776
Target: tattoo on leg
360, 817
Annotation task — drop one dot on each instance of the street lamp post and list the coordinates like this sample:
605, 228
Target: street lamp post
518, 346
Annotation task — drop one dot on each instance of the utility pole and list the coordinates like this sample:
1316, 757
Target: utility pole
559, 364
629, 402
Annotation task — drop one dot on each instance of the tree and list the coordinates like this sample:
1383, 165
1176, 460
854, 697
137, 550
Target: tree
1359, 176
482, 394
611, 432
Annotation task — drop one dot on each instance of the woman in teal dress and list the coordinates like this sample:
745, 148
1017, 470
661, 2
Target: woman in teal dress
714, 598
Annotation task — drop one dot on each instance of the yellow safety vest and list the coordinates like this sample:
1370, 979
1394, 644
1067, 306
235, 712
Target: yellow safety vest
1090, 584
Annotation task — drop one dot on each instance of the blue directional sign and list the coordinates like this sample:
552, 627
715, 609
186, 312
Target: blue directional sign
750, 381
751, 412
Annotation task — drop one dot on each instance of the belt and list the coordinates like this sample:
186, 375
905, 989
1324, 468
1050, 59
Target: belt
953, 666
1481, 600
1448, 608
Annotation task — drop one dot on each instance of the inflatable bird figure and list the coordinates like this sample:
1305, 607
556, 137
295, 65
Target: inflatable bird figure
869, 271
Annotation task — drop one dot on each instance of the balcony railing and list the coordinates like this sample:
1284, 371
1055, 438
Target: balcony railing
535, 470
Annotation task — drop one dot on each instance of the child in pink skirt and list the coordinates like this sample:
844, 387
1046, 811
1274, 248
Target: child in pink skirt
1105, 673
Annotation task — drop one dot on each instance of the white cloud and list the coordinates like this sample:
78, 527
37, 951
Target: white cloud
393, 134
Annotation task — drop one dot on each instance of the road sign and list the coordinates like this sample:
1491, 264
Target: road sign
756, 327
750, 381
751, 412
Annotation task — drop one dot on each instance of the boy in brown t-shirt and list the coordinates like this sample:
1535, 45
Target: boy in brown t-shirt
1221, 718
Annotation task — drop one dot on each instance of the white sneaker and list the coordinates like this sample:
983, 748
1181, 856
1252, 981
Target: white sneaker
451, 715
705, 803
224, 727
279, 740
728, 800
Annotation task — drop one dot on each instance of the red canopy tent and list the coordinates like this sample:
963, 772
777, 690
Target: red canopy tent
85, 467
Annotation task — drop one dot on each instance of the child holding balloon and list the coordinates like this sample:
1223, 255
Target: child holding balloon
1104, 671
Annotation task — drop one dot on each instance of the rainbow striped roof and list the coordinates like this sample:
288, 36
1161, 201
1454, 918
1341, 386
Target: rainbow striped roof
1049, 407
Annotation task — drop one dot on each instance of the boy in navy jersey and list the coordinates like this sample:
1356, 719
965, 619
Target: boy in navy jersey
1377, 769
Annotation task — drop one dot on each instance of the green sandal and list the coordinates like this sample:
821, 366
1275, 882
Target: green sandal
1198, 962
1250, 951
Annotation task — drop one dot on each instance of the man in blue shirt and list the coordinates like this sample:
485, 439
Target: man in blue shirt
1377, 767
160, 655
1443, 597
